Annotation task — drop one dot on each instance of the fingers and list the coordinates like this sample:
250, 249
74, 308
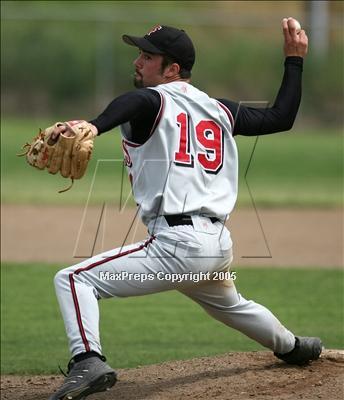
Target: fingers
293, 31
68, 133
303, 37
303, 43
285, 27
57, 131
291, 27
295, 38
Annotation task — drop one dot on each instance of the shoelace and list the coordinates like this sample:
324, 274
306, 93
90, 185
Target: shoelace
69, 367
62, 371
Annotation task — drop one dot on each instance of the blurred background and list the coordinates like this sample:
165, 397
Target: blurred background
66, 58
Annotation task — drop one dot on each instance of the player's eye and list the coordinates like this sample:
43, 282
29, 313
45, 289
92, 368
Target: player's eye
145, 56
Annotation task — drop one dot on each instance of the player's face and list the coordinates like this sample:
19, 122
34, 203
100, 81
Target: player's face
148, 70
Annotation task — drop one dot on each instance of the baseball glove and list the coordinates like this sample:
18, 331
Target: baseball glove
68, 154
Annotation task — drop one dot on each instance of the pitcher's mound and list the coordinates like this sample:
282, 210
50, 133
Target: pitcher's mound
233, 376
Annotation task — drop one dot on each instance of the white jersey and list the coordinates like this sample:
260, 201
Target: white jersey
189, 164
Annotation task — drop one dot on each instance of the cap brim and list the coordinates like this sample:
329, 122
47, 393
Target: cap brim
141, 43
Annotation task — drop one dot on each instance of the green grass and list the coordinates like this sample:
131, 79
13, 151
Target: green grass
288, 169
152, 329
24, 184
292, 169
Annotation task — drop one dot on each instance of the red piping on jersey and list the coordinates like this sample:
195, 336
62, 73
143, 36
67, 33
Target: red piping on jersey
93, 265
130, 144
158, 117
229, 114
156, 122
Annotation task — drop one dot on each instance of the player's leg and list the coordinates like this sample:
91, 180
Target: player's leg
116, 273
222, 301
78, 290
171, 252
147, 267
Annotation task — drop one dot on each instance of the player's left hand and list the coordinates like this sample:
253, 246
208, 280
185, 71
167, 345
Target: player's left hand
295, 42
65, 147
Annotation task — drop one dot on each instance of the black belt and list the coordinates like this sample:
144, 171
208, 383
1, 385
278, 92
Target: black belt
183, 219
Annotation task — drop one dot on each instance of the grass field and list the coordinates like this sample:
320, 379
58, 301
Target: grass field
288, 169
151, 329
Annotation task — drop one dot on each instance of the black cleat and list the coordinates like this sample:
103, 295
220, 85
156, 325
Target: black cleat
85, 377
306, 349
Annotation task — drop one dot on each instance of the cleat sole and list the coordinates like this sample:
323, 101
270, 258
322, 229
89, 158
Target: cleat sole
100, 384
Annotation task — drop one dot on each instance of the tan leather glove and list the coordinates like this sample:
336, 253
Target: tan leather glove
68, 153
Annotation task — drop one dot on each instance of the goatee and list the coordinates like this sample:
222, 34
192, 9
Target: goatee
138, 83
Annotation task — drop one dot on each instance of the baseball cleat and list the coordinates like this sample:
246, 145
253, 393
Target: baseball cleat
85, 377
306, 349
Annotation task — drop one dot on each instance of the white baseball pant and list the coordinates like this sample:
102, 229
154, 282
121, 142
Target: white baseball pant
171, 258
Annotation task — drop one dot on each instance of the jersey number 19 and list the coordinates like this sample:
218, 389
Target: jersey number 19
209, 135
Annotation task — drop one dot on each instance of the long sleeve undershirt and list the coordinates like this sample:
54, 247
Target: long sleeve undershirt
140, 108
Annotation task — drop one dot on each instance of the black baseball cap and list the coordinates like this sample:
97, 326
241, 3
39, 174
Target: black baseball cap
163, 39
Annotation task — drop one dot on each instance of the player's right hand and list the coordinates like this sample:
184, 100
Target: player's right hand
295, 43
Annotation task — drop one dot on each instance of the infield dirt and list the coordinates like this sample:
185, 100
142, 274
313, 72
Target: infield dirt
232, 376
271, 237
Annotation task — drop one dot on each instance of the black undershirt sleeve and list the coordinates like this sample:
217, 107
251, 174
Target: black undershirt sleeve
140, 108
250, 121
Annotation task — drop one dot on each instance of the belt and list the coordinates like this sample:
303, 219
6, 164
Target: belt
183, 219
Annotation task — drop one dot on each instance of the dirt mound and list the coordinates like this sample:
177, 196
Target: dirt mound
234, 376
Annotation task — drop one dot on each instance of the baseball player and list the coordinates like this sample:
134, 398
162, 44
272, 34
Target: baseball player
182, 161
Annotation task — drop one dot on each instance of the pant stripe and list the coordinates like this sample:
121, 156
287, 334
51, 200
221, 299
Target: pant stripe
93, 265
78, 314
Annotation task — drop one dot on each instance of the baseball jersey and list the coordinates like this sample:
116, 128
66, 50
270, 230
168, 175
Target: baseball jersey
189, 164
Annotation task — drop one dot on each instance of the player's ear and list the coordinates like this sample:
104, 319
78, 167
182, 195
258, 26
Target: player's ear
172, 70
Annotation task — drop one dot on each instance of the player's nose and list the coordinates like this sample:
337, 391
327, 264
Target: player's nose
138, 62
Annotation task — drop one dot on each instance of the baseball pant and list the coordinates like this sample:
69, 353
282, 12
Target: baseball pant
186, 258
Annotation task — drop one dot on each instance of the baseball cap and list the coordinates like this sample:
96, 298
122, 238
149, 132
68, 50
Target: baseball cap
162, 39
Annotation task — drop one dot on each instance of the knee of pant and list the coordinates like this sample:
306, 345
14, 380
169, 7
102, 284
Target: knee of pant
234, 303
61, 278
